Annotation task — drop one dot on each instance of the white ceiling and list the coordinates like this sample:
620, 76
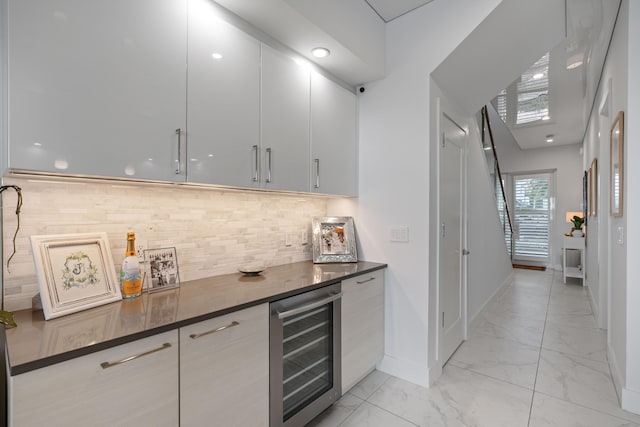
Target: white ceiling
391, 9
355, 33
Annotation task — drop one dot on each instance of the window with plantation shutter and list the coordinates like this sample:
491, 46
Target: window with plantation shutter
532, 215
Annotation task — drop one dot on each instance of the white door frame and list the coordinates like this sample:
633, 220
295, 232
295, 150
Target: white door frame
446, 113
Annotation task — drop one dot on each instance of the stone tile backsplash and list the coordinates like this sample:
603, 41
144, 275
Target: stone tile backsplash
213, 230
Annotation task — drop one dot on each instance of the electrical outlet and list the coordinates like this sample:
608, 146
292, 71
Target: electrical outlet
304, 237
140, 248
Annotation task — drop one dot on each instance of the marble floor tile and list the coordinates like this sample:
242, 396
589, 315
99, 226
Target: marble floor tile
584, 321
573, 304
522, 330
581, 381
459, 398
499, 358
368, 415
338, 412
523, 296
551, 412
578, 341
569, 288
522, 308
538, 332
368, 385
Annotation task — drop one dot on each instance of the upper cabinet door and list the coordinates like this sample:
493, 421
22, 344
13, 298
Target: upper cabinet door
223, 100
333, 138
98, 87
285, 122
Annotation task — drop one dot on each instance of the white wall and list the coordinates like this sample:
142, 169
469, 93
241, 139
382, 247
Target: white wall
394, 171
618, 279
631, 393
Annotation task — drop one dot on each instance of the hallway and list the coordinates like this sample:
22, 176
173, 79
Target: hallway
535, 359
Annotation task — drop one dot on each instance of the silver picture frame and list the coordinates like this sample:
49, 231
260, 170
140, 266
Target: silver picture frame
334, 239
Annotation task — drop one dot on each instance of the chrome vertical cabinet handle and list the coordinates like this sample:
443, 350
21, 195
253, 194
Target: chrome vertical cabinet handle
317, 162
254, 149
268, 150
179, 167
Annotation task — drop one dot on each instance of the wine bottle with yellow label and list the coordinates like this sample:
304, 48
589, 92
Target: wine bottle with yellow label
130, 281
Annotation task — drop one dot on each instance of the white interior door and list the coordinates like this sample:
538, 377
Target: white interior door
452, 205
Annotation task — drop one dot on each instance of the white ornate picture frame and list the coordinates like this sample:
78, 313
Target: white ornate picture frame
334, 239
75, 272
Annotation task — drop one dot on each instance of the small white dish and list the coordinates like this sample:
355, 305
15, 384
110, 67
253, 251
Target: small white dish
251, 270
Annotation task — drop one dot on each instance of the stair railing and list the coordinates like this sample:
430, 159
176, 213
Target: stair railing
507, 226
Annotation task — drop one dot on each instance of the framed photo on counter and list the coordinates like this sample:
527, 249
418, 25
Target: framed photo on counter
75, 272
334, 240
162, 269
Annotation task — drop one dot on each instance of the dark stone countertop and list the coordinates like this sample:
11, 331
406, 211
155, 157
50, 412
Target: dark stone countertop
36, 342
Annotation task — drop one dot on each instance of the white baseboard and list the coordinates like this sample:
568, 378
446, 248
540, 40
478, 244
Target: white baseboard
409, 371
631, 400
615, 371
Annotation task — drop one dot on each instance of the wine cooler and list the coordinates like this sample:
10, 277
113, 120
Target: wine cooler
304, 355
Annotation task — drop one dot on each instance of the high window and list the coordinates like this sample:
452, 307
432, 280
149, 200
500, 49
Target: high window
533, 92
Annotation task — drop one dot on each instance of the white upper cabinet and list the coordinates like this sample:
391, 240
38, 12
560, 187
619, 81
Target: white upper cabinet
285, 122
223, 100
333, 138
98, 87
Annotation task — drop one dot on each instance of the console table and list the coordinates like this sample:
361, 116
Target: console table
576, 244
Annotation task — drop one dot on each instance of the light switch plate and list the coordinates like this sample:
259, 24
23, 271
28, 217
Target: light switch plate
620, 235
399, 234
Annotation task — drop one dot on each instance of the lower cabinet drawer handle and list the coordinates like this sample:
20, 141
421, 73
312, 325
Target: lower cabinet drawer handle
106, 365
221, 328
365, 281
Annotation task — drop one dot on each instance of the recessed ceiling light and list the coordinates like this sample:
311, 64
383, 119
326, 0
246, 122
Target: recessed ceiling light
216, 55
549, 138
320, 52
538, 76
575, 64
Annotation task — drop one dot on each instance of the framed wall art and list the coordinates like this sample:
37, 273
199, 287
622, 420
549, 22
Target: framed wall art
593, 188
75, 272
334, 240
616, 193
162, 265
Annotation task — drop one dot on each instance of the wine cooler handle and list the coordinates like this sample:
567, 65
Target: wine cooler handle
310, 306
221, 328
365, 281
179, 168
106, 365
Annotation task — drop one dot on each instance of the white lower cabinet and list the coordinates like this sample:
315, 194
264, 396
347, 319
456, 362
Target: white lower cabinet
224, 370
96, 390
362, 326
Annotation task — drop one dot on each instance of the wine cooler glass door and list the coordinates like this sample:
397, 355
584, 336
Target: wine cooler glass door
308, 376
